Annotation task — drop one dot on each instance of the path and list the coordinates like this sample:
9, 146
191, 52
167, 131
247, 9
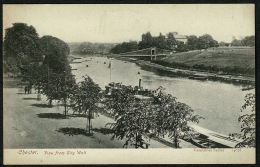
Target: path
29, 123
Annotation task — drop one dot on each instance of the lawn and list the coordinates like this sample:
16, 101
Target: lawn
243, 58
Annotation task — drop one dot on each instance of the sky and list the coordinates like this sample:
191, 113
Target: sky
121, 23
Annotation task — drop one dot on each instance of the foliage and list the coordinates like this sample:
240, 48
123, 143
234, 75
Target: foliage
86, 95
137, 119
206, 41
56, 53
192, 42
246, 41
247, 123
167, 42
125, 47
90, 48
21, 46
172, 118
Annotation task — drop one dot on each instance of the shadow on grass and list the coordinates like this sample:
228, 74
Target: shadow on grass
51, 115
79, 115
74, 131
29, 98
104, 131
42, 105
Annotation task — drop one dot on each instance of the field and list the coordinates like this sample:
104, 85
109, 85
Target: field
230, 60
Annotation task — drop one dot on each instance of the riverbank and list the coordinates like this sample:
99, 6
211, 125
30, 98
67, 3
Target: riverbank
177, 72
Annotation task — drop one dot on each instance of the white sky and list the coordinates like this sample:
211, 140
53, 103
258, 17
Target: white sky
118, 23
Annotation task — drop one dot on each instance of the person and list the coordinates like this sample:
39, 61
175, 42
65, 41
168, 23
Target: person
29, 89
25, 89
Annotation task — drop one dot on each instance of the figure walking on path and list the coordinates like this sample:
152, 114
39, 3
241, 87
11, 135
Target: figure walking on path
25, 89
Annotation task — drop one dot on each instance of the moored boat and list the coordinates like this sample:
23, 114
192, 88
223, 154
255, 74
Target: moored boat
208, 138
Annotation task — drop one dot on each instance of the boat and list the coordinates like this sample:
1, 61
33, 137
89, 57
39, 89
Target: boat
73, 69
203, 143
75, 62
198, 76
248, 88
208, 138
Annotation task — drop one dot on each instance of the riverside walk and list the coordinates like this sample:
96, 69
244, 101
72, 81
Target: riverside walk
29, 123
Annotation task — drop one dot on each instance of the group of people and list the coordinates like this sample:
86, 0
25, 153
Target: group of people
28, 89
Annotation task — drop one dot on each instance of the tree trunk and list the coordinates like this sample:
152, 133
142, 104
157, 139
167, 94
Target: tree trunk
136, 140
65, 105
176, 142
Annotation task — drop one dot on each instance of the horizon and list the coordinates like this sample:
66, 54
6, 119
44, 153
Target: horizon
122, 23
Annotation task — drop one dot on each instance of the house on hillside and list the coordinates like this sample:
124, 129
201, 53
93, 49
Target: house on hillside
179, 37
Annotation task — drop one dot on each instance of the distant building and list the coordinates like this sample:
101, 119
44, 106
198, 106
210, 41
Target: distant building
179, 37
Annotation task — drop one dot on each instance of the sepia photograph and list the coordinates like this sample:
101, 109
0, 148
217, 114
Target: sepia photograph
128, 83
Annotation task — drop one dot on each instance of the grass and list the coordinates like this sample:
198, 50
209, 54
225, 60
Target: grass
230, 60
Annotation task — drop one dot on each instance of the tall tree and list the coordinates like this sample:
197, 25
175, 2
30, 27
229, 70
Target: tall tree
171, 41
21, 46
21, 39
147, 41
205, 41
58, 73
85, 97
192, 42
56, 53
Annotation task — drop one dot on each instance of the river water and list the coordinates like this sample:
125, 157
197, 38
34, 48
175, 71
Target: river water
219, 103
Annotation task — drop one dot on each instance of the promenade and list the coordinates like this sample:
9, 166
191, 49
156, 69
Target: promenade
29, 123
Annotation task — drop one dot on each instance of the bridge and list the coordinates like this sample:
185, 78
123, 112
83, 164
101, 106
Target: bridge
152, 52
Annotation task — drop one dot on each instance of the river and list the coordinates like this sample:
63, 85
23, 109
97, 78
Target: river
219, 103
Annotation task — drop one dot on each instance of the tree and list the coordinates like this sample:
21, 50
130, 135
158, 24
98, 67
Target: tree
85, 97
248, 41
125, 47
133, 119
160, 41
222, 43
146, 42
192, 42
138, 119
21, 46
247, 123
172, 118
58, 75
56, 53
205, 41
236, 42
170, 41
